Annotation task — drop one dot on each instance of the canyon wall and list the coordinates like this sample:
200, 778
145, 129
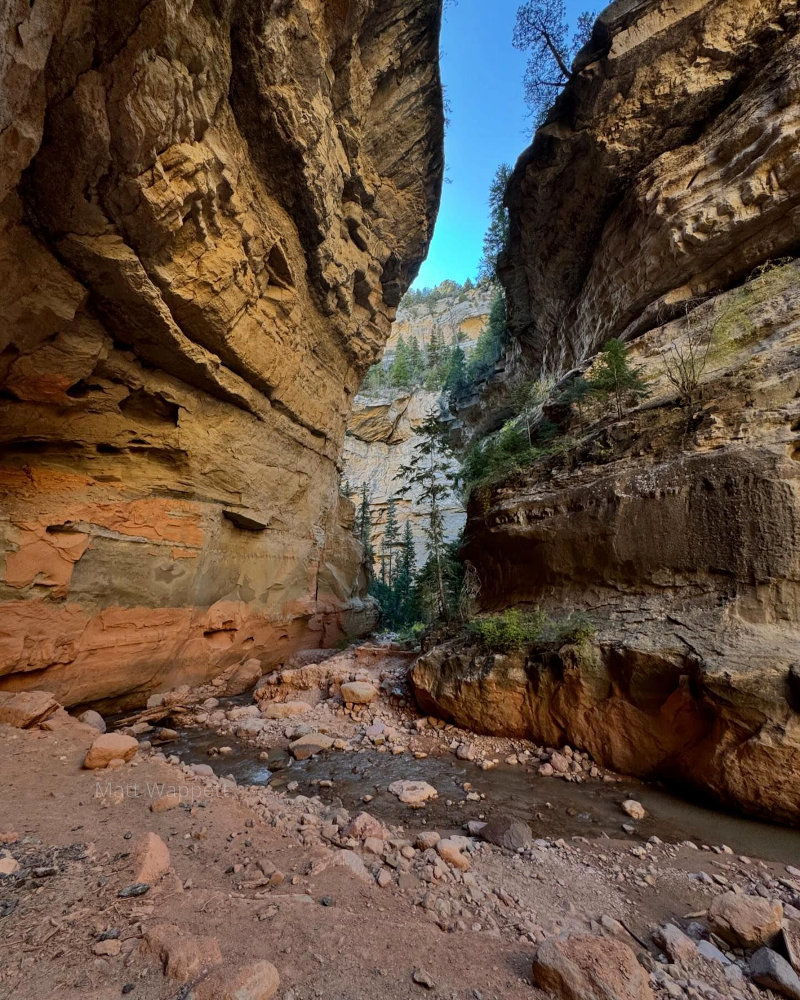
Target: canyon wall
381, 432
209, 211
660, 204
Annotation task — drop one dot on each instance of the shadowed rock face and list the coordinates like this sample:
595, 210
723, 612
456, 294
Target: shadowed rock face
208, 214
668, 170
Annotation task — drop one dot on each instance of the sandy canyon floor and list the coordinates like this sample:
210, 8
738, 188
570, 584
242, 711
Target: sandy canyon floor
315, 867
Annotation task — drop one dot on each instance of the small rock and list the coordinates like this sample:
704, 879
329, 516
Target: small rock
365, 825
674, 943
634, 809
358, 693
150, 859
413, 792
139, 889
423, 978
284, 709
428, 839
310, 745
93, 719
108, 948
183, 956
165, 802
505, 831
8, 866
450, 851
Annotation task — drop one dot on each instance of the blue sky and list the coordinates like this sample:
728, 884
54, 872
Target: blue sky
489, 124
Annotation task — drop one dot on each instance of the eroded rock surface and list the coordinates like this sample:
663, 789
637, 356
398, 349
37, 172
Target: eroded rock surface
208, 214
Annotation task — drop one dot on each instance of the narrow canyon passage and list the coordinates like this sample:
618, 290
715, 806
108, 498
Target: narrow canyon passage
400, 579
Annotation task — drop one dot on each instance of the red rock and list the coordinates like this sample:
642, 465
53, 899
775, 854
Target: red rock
26, 708
150, 859
450, 852
109, 747
583, 966
745, 921
183, 956
256, 981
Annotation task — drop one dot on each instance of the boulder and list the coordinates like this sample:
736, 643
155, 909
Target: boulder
93, 719
771, 970
676, 945
26, 708
358, 692
504, 831
413, 792
745, 921
365, 825
584, 966
310, 745
108, 747
255, 981
242, 678
284, 709
183, 956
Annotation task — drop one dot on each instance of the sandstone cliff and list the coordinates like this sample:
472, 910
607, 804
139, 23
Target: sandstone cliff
208, 215
668, 170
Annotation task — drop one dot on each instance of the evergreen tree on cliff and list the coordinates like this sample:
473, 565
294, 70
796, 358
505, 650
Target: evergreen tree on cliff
496, 239
542, 30
613, 377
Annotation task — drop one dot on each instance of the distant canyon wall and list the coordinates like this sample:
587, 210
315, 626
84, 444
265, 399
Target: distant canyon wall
382, 430
209, 212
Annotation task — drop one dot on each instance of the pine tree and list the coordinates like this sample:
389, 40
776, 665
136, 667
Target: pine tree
391, 536
363, 525
405, 603
575, 394
416, 362
435, 358
400, 369
490, 342
457, 379
542, 30
430, 476
613, 377
496, 239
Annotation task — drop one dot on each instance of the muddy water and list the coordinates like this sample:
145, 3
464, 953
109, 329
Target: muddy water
554, 808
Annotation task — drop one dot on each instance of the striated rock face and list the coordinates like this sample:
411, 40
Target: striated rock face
208, 214
668, 170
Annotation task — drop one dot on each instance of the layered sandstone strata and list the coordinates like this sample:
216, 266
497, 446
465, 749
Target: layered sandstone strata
208, 214
660, 204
